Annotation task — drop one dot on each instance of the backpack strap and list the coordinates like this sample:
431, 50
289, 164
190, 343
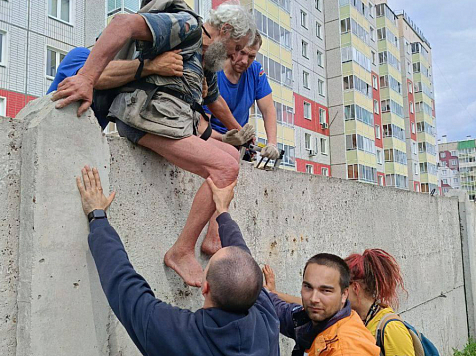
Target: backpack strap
380, 333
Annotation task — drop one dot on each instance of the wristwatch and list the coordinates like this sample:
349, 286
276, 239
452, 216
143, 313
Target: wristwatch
97, 214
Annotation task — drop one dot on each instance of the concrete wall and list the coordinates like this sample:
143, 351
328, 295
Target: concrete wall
286, 217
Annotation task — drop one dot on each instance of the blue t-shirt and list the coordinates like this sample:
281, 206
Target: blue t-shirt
253, 85
69, 66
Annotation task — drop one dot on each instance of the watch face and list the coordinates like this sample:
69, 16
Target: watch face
99, 214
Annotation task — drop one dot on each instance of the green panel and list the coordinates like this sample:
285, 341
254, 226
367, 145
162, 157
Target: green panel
345, 39
344, 11
466, 144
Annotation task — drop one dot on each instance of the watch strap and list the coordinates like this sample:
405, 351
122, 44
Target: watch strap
97, 214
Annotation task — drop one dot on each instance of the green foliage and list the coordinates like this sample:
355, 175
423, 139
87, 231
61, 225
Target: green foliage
469, 349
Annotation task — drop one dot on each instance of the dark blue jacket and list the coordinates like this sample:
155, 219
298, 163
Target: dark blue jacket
158, 328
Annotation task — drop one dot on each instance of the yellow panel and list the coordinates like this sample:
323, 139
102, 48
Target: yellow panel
286, 58
272, 11
274, 51
345, 39
191, 3
351, 157
350, 126
348, 97
344, 12
276, 88
260, 5
363, 101
359, 44
284, 19
367, 159
365, 130
287, 95
288, 134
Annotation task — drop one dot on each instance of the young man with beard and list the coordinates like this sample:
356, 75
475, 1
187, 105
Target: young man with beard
237, 317
324, 324
166, 123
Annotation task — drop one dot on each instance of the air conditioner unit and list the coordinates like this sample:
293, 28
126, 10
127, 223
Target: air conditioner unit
324, 125
312, 153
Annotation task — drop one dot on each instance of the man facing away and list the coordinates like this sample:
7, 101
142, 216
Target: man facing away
324, 324
166, 124
241, 83
237, 317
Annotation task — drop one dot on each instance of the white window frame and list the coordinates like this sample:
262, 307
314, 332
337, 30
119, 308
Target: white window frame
307, 141
374, 57
413, 128
379, 156
3, 59
372, 33
58, 56
318, 30
375, 82
320, 87
322, 116
412, 109
376, 107
3, 112
325, 171
318, 5
304, 19
377, 132
309, 168
410, 88
305, 79
306, 104
320, 59
324, 147
305, 47
58, 11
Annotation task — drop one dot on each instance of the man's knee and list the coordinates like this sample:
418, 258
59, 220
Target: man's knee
226, 172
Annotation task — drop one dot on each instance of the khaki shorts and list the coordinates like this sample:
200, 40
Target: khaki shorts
165, 115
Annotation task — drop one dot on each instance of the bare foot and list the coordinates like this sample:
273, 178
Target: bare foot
186, 265
211, 244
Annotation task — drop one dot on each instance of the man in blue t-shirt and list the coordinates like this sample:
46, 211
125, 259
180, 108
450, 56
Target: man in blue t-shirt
241, 82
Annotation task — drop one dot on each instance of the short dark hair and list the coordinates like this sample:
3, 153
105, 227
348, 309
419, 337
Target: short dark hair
332, 261
235, 281
258, 40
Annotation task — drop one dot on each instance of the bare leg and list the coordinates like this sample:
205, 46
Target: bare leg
211, 243
205, 159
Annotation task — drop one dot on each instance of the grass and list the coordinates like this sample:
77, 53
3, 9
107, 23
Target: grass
469, 349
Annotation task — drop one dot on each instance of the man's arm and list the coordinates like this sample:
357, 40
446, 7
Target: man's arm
120, 72
270, 284
266, 106
122, 28
219, 108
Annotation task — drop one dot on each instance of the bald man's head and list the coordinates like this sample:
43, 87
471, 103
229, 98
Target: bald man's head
235, 280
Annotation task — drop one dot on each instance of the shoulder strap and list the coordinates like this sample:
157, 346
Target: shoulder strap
380, 333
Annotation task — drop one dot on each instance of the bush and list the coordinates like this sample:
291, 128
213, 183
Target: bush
469, 349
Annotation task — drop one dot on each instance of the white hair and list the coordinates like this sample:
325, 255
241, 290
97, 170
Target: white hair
239, 18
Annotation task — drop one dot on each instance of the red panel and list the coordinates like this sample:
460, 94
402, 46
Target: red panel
378, 117
411, 98
433, 107
301, 166
216, 3
313, 124
15, 101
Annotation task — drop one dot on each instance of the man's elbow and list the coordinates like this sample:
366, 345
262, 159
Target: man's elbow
132, 26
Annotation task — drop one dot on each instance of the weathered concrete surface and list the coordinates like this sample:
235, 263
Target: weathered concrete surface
287, 217
10, 140
467, 214
61, 307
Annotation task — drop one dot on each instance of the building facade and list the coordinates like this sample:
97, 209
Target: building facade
457, 167
35, 35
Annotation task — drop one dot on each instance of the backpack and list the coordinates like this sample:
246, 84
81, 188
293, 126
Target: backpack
421, 344
103, 99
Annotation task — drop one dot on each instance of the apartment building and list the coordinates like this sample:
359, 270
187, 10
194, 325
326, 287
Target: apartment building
35, 35
457, 166
419, 106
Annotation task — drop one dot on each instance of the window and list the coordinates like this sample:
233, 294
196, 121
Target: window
318, 4
305, 79
307, 110
309, 168
416, 169
384, 81
414, 148
53, 60
455, 180
3, 106
454, 162
410, 88
60, 9
3, 48
376, 107
345, 25
444, 181
318, 30
353, 171
372, 33
304, 49
322, 116
412, 110
323, 146
375, 82
413, 128
325, 171
380, 181
374, 55
320, 87
307, 141
377, 132
443, 154
379, 157
454, 153
319, 59
303, 19
371, 9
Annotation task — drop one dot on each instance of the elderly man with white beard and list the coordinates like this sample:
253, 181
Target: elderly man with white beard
165, 122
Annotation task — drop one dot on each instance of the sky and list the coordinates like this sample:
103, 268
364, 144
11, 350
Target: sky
450, 27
